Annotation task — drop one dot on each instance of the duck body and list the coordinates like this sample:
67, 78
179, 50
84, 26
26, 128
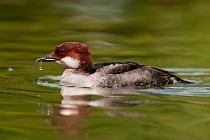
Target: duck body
81, 72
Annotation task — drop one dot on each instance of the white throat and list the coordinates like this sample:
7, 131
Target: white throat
70, 62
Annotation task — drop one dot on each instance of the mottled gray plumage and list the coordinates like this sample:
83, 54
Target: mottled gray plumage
121, 74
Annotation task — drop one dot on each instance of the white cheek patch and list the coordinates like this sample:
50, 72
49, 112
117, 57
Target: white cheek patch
70, 62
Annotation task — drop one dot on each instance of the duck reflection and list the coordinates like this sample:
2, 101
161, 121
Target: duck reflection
68, 117
76, 105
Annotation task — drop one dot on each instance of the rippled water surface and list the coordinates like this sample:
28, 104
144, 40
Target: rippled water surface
173, 35
199, 87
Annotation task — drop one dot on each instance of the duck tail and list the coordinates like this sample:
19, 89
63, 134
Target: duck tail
179, 80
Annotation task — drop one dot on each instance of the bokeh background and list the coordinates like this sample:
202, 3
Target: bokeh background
163, 33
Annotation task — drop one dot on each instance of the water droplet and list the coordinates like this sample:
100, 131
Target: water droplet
40, 65
10, 69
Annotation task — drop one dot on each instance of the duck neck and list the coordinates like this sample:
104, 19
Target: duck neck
86, 65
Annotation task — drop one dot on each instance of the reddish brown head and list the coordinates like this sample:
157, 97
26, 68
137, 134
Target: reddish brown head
74, 55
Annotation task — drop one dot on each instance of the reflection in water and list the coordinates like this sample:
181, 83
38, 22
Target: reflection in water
69, 116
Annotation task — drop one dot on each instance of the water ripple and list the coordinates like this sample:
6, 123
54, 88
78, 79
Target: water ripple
197, 75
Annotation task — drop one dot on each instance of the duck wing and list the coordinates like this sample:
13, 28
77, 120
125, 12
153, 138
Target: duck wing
168, 77
134, 74
115, 67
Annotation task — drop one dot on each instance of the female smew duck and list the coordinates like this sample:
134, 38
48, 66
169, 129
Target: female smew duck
81, 72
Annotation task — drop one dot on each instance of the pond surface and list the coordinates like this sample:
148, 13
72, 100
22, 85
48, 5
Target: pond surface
173, 35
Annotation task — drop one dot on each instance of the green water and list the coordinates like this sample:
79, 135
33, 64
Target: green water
174, 35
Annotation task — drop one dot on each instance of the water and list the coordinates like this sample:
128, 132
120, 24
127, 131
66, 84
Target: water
198, 88
173, 35
40, 66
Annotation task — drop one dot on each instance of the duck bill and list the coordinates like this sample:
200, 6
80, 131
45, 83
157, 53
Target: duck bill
47, 58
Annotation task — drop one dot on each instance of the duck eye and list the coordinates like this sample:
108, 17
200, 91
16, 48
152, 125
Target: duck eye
61, 51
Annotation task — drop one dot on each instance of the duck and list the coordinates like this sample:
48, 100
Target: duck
81, 72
